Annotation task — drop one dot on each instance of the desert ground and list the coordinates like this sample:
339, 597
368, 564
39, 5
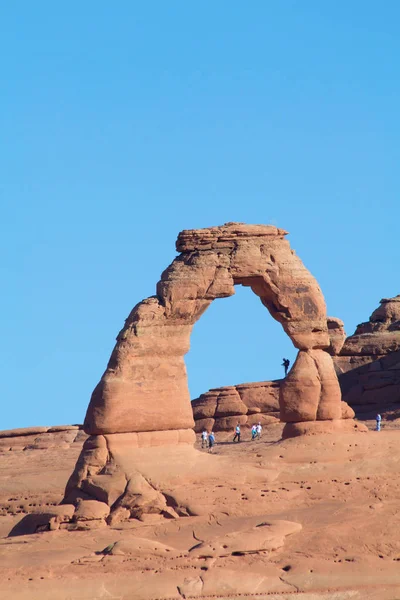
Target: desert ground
312, 518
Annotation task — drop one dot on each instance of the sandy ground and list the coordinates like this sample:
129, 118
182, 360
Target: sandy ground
316, 518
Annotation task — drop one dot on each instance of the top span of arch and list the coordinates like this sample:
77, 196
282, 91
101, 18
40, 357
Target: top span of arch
223, 236
214, 259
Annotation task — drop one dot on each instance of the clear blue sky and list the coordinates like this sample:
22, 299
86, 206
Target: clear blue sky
123, 123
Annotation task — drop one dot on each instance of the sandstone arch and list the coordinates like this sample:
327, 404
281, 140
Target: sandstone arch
140, 419
144, 387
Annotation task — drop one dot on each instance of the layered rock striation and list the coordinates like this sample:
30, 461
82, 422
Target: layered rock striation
222, 408
368, 366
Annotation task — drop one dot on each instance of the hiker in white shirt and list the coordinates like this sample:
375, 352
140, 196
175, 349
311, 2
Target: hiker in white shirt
204, 437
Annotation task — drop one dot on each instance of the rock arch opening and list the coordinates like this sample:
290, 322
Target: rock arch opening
236, 341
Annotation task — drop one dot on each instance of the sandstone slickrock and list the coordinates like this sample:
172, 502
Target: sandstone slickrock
331, 485
266, 536
143, 397
368, 365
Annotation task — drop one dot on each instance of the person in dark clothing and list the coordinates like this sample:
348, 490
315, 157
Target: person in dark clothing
285, 365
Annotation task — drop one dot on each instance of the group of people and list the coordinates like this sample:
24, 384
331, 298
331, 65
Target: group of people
208, 439
255, 432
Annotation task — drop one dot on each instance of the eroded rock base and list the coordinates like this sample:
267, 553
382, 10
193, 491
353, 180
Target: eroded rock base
323, 427
136, 476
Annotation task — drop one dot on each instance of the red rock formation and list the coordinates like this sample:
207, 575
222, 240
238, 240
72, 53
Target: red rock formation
369, 364
221, 408
337, 335
261, 400
146, 371
378, 336
143, 394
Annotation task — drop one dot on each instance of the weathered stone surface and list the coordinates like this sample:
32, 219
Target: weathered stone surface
229, 423
205, 406
378, 336
262, 395
142, 547
229, 403
323, 427
89, 510
201, 424
38, 431
264, 536
23, 431
262, 418
258, 401
46, 519
140, 497
337, 335
347, 411
310, 391
106, 487
368, 366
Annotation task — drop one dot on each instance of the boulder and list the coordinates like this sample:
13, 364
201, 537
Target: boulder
89, 510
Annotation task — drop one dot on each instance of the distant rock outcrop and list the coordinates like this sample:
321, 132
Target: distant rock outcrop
368, 366
248, 403
378, 336
220, 409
